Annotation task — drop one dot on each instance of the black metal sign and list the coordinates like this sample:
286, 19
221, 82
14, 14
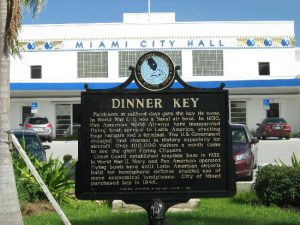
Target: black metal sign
154, 142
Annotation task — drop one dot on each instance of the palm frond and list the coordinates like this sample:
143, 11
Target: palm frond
12, 27
14, 21
34, 6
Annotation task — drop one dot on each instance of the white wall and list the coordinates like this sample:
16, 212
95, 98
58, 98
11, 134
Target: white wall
243, 63
239, 64
297, 66
289, 109
56, 67
45, 108
122, 30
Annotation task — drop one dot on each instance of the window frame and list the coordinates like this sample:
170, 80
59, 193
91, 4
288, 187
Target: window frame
238, 119
92, 64
208, 62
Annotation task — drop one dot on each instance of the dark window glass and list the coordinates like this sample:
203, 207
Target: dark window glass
26, 112
38, 120
239, 136
36, 72
32, 145
264, 68
274, 120
273, 111
238, 112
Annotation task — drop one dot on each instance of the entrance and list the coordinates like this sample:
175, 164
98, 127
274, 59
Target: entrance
273, 111
26, 112
67, 119
76, 119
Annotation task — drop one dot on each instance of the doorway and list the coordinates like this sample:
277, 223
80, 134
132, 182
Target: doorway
273, 111
26, 112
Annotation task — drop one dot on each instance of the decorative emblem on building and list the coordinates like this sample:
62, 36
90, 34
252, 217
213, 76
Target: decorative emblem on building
268, 42
31, 46
153, 44
285, 42
154, 71
48, 45
250, 42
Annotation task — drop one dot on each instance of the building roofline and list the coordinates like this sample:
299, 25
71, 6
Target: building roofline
177, 22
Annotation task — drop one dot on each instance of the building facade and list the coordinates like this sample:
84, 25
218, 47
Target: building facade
257, 61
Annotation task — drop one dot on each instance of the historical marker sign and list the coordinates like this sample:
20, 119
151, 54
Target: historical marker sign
138, 145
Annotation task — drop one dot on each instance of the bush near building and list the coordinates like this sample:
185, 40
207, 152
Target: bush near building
54, 173
279, 185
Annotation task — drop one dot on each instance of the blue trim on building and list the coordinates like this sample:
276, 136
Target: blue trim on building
200, 84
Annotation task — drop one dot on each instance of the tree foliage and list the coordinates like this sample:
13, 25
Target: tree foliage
14, 21
56, 175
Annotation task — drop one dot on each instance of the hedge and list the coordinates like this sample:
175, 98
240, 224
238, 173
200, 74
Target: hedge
278, 185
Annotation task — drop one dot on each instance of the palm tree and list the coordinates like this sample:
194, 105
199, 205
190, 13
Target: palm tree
10, 24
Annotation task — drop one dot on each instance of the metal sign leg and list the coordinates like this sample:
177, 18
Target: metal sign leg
156, 212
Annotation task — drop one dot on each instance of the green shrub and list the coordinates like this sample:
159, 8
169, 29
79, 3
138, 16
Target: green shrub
54, 173
67, 158
295, 135
279, 185
67, 138
294, 160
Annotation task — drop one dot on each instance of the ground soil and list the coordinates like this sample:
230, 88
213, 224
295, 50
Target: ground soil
36, 208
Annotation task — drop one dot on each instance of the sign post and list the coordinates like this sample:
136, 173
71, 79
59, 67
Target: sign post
34, 107
155, 146
266, 104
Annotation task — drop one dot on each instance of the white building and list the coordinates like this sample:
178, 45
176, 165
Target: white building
256, 60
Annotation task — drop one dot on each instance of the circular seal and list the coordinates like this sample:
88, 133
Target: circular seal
154, 71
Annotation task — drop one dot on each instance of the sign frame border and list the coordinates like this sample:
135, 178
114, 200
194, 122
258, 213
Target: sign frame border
146, 196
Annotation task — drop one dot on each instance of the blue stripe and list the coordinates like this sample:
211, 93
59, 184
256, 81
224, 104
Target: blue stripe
199, 84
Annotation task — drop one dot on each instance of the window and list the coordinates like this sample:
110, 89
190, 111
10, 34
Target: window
264, 68
239, 136
92, 64
38, 120
238, 112
208, 63
130, 58
36, 72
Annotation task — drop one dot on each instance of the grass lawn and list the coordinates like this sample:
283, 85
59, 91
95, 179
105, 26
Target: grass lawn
243, 209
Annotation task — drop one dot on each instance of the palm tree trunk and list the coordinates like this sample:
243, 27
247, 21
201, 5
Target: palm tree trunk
9, 204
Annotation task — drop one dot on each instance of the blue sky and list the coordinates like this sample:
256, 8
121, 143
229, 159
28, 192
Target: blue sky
98, 11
